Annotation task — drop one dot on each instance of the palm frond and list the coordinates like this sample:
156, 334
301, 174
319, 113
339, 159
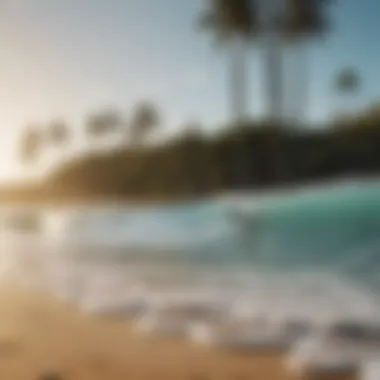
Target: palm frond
306, 18
31, 141
230, 18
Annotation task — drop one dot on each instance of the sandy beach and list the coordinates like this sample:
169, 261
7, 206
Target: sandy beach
42, 337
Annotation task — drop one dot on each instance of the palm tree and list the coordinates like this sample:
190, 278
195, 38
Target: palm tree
234, 22
58, 132
270, 24
274, 22
145, 118
30, 144
103, 122
304, 20
346, 83
347, 80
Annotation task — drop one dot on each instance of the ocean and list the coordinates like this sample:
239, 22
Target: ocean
308, 253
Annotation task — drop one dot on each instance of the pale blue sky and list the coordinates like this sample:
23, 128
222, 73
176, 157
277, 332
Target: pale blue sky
63, 58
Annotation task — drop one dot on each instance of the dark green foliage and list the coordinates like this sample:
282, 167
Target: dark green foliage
306, 18
231, 18
252, 156
145, 118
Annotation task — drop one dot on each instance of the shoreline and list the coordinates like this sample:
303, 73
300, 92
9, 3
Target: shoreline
25, 198
49, 336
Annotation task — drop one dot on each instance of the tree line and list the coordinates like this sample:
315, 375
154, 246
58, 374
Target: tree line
246, 156
37, 137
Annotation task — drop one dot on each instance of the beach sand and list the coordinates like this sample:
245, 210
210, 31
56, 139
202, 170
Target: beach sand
42, 338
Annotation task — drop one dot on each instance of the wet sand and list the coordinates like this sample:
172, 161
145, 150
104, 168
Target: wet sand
42, 338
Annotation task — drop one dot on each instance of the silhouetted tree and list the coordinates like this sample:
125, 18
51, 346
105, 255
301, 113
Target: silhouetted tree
304, 20
30, 144
234, 22
270, 31
235, 25
346, 83
347, 80
238, 22
103, 122
145, 117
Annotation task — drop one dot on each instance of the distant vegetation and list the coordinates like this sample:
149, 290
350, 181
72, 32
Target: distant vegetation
251, 155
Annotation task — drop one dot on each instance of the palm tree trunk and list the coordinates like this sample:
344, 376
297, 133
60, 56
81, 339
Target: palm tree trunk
273, 61
238, 101
301, 82
297, 90
274, 70
269, 12
238, 89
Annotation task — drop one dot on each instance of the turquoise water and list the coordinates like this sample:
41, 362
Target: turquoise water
330, 227
321, 241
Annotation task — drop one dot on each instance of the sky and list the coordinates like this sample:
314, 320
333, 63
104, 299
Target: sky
65, 58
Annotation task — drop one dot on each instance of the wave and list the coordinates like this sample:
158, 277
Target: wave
332, 228
324, 225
